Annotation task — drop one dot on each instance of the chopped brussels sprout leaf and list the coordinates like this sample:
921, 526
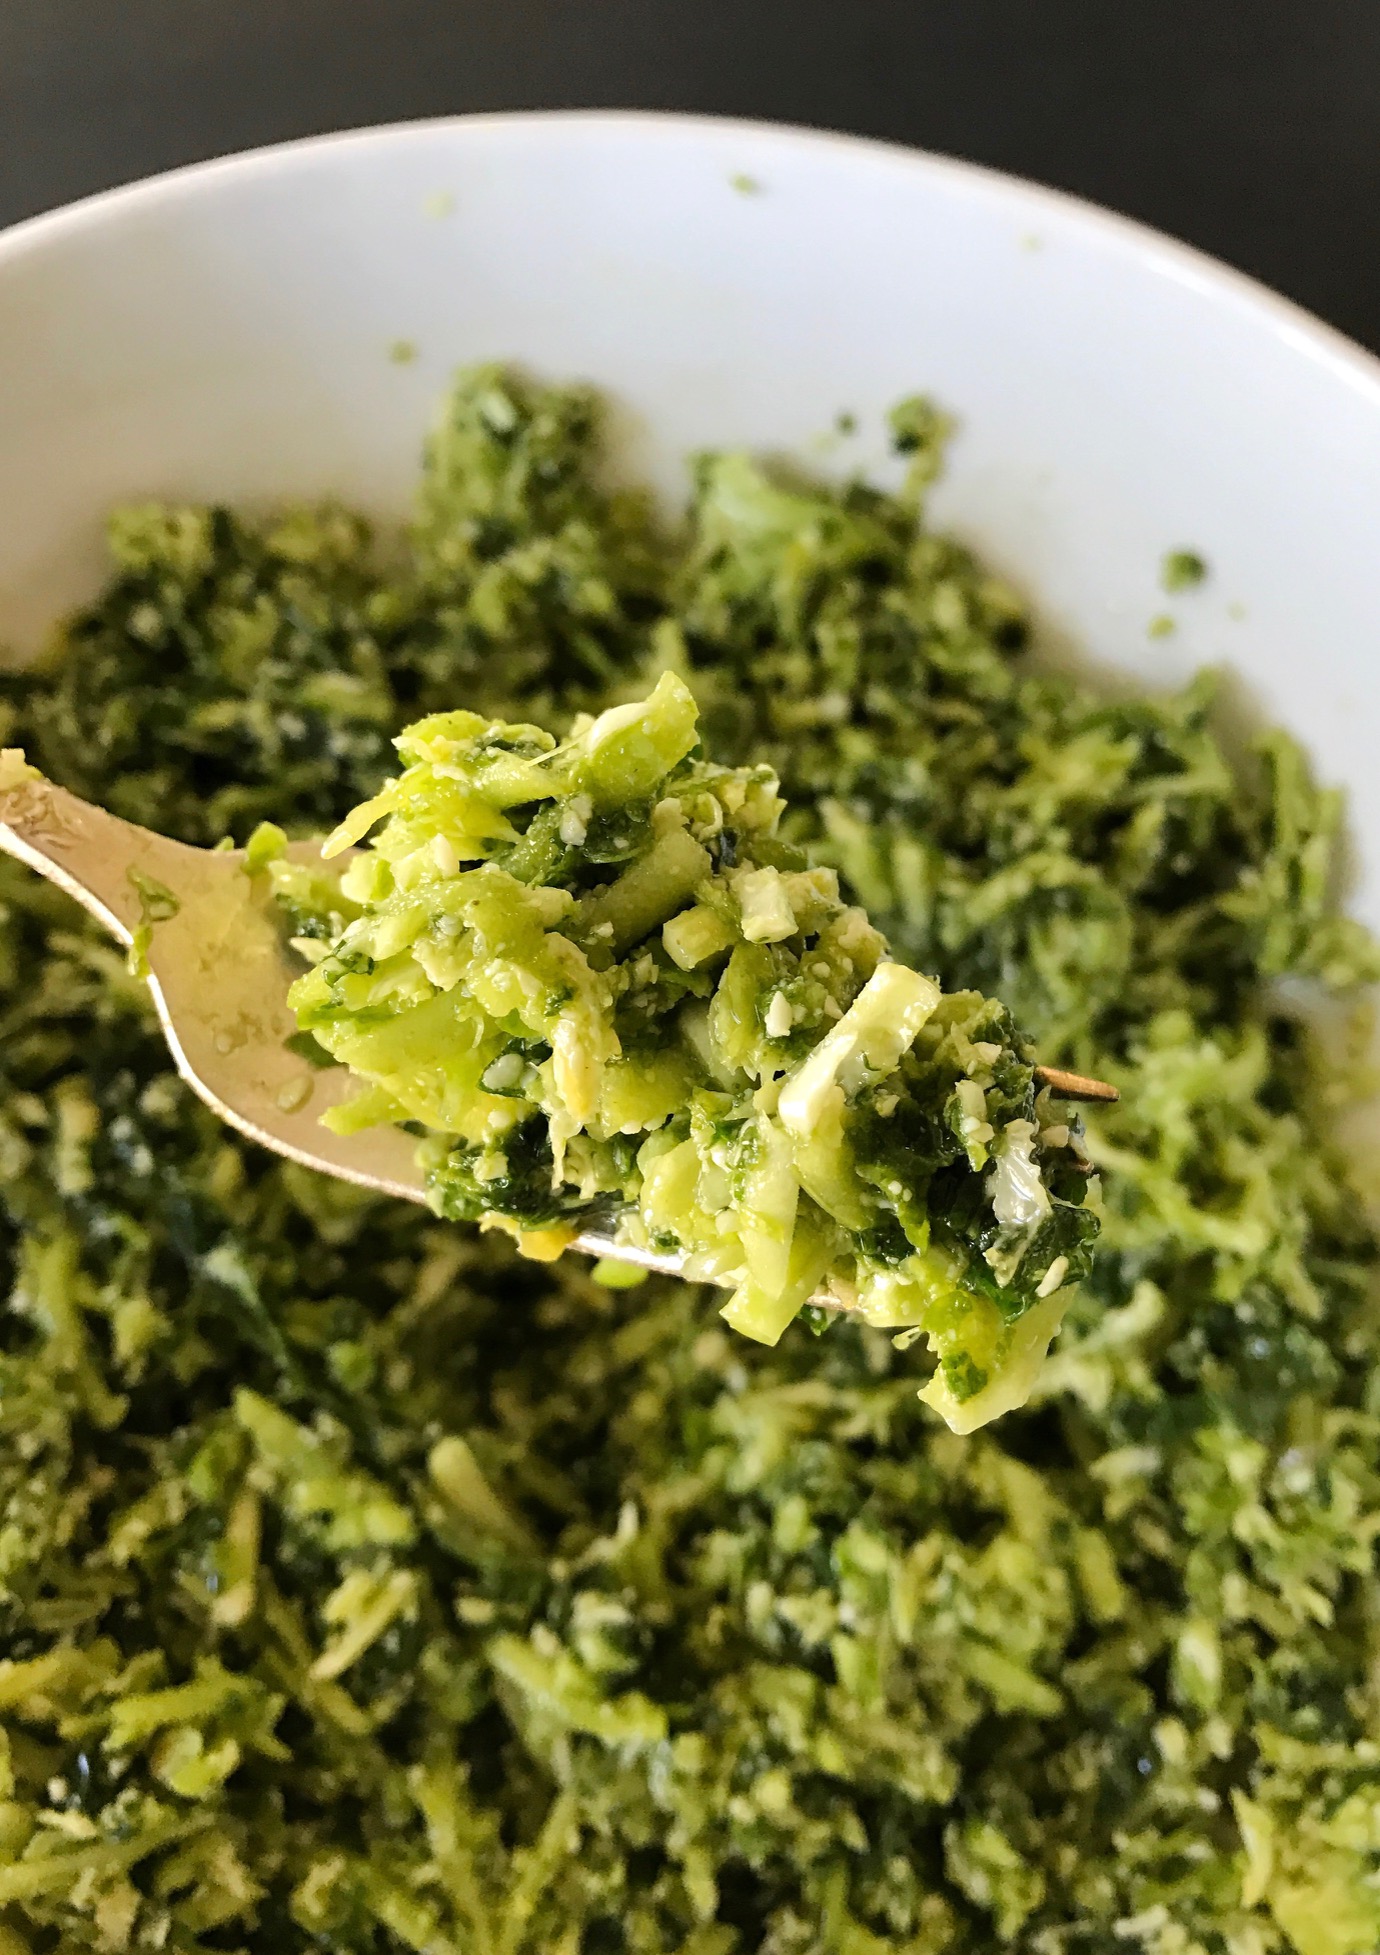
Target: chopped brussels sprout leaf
701, 1032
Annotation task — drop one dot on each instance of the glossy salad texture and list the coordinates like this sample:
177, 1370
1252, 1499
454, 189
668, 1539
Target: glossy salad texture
596, 975
365, 1586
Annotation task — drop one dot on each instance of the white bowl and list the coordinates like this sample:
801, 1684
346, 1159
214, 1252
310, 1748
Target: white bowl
225, 332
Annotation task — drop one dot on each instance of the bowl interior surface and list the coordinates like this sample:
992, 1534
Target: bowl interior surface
232, 332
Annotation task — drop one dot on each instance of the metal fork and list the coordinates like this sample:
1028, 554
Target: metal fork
219, 968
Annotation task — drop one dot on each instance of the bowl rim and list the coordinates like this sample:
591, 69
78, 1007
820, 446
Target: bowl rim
1157, 252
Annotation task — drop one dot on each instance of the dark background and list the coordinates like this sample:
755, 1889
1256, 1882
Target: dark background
1249, 127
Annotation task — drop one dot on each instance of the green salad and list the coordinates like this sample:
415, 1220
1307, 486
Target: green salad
368, 1587
596, 975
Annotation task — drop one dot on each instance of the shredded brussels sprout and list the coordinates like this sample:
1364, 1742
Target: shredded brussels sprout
593, 972
367, 1588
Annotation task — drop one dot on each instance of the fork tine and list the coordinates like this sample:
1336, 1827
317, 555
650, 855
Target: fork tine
1076, 1086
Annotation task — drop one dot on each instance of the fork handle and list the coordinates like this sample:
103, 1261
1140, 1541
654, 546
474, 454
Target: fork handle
90, 854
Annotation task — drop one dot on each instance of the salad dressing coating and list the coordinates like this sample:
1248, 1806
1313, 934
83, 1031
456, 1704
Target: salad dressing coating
594, 973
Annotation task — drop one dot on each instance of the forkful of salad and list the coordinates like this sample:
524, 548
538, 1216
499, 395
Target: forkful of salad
587, 993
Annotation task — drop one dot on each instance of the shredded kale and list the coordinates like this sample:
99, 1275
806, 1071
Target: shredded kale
364, 1587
